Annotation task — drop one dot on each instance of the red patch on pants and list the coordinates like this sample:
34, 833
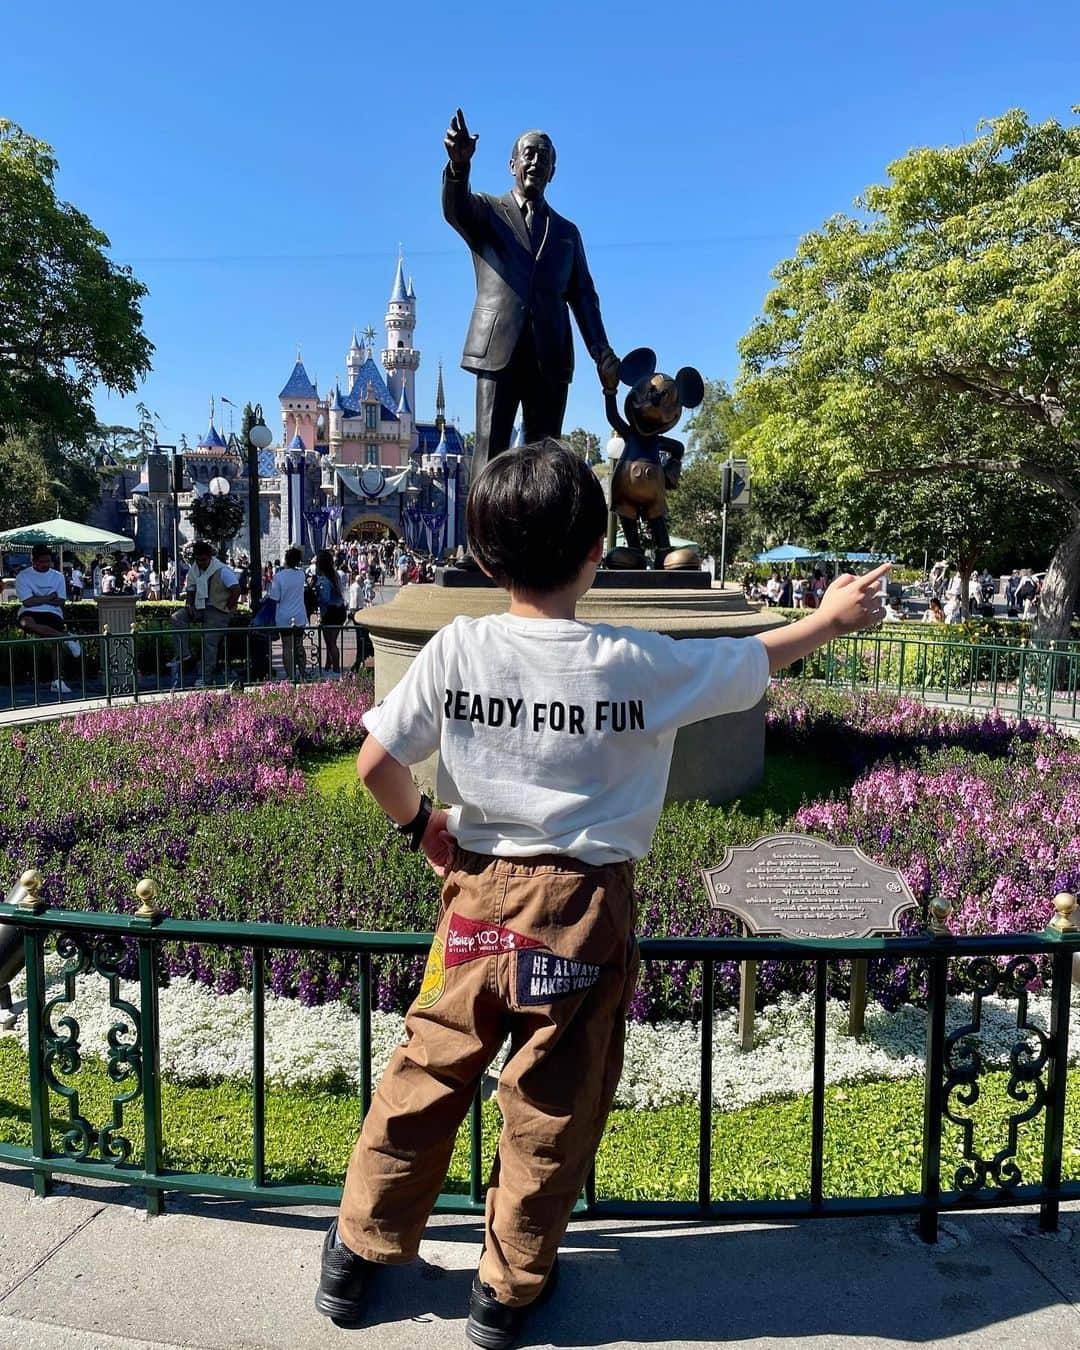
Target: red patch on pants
470, 939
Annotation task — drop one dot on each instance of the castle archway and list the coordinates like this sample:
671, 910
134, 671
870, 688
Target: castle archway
370, 529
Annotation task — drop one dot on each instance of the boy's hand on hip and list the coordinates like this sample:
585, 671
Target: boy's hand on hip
851, 603
438, 844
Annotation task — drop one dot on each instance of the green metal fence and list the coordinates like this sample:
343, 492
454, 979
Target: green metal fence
110, 666
1022, 680
97, 945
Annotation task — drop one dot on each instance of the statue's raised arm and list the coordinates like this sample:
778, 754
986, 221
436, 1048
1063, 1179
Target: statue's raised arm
531, 275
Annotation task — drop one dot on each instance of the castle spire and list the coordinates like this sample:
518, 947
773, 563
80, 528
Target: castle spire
400, 293
440, 402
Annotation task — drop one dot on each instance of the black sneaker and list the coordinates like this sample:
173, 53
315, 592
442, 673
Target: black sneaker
343, 1282
492, 1324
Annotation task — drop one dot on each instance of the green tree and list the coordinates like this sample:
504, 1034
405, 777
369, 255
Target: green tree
585, 444
121, 442
40, 478
247, 421
937, 334
694, 507
784, 508
717, 424
973, 520
69, 316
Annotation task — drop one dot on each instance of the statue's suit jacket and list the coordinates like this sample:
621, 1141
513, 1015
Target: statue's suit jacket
514, 286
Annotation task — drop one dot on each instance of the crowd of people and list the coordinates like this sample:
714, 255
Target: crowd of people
330, 590
943, 589
788, 592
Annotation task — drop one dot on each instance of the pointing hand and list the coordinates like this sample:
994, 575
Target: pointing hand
460, 145
852, 603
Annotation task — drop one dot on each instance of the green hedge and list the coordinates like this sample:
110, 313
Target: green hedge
151, 617
82, 615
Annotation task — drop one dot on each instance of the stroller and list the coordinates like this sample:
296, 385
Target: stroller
364, 649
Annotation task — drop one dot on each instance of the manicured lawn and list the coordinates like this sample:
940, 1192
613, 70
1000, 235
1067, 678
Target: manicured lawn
792, 778
872, 1144
329, 771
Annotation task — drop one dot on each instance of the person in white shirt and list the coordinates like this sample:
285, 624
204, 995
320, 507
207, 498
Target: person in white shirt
42, 592
773, 587
287, 590
354, 593
77, 582
210, 596
554, 739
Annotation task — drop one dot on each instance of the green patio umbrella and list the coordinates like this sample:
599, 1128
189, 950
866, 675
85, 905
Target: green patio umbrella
65, 534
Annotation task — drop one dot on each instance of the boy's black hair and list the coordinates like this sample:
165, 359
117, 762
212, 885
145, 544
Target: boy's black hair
40, 551
297, 556
200, 548
533, 514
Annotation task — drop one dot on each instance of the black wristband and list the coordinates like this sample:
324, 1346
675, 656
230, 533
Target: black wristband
414, 830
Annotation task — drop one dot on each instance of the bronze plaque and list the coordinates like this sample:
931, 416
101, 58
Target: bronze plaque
791, 885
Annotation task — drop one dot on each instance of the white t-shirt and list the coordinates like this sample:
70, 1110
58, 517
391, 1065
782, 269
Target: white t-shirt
31, 582
287, 588
556, 736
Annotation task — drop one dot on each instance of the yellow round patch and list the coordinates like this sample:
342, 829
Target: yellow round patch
434, 976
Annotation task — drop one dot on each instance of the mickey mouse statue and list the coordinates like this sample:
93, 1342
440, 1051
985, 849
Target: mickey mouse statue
650, 462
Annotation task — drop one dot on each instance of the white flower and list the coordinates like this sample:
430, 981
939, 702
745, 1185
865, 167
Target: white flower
206, 1037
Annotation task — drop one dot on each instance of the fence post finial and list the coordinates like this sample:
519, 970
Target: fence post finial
940, 909
1064, 921
30, 884
147, 892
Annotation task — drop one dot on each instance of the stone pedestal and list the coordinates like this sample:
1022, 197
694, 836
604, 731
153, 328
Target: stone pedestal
117, 612
118, 670
714, 760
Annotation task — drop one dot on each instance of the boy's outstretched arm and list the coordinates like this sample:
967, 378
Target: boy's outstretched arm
391, 784
849, 604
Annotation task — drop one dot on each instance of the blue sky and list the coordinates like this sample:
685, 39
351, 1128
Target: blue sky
258, 163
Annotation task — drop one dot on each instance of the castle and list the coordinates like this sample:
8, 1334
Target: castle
352, 464
359, 463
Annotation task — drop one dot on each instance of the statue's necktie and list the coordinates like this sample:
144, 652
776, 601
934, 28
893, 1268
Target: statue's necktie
532, 224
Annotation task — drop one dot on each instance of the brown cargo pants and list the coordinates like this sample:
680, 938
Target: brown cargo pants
540, 950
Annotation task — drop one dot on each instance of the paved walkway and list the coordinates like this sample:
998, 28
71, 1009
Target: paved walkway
85, 1270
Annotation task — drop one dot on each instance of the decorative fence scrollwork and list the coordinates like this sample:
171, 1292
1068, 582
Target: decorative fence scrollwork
63, 1049
965, 1064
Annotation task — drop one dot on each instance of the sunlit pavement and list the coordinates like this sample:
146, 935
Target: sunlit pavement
86, 1269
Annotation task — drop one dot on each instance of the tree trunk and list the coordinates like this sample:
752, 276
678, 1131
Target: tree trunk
1060, 587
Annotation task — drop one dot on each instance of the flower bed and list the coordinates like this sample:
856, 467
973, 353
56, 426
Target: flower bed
206, 1038
205, 793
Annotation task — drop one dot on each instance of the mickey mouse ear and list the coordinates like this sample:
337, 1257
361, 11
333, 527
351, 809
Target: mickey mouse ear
691, 387
637, 365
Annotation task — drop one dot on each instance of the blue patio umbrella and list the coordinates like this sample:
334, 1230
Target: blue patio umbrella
786, 553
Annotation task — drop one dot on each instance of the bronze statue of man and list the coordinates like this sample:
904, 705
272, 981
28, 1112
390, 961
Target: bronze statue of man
530, 266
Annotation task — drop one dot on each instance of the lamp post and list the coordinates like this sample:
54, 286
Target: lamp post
176, 468
259, 438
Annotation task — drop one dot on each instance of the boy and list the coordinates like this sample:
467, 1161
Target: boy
555, 739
